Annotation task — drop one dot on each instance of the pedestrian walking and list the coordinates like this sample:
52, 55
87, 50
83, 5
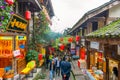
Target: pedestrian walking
65, 69
58, 63
52, 70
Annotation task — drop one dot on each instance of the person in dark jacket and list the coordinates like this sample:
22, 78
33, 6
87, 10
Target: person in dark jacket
65, 69
58, 64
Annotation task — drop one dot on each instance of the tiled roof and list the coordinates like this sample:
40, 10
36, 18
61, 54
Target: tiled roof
111, 30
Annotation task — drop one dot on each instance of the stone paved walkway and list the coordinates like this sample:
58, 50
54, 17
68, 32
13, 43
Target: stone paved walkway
56, 77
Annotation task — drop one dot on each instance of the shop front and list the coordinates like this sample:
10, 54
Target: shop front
11, 44
113, 69
96, 61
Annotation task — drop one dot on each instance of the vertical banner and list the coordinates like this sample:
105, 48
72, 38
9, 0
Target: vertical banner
72, 48
20, 45
20, 40
6, 46
77, 50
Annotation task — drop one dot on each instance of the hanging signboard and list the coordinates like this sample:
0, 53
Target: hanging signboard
94, 45
20, 40
72, 45
20, 37
17, 24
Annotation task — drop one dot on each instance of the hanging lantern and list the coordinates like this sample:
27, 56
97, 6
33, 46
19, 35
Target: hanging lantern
77, 38
61, 39
62, 47
70, 39
39, 56
10, 2
27, 15
82, 53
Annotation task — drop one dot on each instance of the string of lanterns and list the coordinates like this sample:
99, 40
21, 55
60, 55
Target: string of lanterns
70, 39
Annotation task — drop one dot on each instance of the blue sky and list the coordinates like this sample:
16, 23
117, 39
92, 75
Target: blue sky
68, 12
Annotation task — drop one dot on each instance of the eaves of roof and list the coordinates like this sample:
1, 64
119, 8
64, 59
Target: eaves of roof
36, 3
111, 30
94, 12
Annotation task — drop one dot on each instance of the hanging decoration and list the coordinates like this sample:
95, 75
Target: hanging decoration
70, 39
77, 38
62, 47
82, 53
27, 15
10, 2
40, 56
61, 39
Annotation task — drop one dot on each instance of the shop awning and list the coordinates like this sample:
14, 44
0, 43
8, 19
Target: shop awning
111, 30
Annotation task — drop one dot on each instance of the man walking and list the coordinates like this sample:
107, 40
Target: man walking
65, 69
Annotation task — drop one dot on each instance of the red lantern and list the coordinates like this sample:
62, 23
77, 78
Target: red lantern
70, 39
10, 2
40, 56
77, 38
62, 47
27, 15
82, 53
61, 39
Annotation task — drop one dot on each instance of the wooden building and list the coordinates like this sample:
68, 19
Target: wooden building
102, 48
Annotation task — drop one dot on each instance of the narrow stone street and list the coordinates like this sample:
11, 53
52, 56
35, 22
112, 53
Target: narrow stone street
74, 76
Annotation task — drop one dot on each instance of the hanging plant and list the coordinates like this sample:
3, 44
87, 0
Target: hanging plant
5, 13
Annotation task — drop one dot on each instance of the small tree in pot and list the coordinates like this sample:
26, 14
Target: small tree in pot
32, 55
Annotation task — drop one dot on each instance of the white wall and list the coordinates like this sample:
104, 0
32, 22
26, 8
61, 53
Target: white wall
114, 11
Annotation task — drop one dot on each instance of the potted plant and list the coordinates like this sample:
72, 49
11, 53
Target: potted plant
32, 55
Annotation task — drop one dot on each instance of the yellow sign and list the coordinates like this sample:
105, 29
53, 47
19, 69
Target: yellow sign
5, 38
17, 23
21, 37
6, 45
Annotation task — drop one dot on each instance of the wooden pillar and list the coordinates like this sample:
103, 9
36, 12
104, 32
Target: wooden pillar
119, 71
100, 24
106, 76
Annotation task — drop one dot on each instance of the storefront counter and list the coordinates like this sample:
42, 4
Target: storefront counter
94, 75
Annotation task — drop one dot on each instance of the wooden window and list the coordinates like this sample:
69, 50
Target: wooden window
94, 26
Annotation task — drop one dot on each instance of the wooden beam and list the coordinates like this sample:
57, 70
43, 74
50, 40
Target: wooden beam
114, 41
112, 18
97, 19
